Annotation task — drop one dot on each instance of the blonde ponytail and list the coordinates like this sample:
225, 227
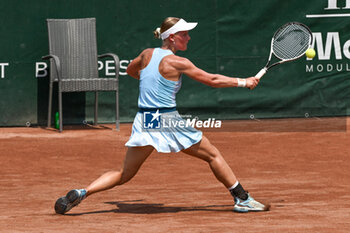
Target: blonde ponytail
157, 33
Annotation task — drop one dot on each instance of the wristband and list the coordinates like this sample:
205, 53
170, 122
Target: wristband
241, 82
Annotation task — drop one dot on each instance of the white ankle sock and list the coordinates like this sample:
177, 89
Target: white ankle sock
234, 186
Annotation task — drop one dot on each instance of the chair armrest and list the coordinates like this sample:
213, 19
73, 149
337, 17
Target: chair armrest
57, 64
116, 61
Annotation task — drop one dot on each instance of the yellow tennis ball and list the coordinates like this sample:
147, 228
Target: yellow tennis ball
310, 53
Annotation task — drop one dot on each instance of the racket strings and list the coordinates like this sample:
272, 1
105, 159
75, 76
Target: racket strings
291, 41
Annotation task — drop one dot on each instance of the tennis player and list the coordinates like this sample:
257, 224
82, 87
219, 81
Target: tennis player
160, 71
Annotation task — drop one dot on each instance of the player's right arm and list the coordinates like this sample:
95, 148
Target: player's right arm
185, 66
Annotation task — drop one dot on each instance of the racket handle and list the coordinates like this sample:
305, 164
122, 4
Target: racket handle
261, 73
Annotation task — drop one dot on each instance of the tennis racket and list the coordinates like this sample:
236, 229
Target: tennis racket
289, 43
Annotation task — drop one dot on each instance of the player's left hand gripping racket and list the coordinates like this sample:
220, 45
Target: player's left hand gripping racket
289, 43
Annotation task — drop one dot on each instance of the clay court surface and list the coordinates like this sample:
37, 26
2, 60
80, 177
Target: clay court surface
303, 172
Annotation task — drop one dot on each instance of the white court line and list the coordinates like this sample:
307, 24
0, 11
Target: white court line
327, 15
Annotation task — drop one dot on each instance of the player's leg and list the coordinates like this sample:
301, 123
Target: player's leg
135, 156
206, 151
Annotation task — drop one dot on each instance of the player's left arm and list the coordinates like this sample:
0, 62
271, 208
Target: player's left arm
135, 67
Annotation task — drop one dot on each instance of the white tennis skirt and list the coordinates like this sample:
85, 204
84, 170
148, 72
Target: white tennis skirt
166, 132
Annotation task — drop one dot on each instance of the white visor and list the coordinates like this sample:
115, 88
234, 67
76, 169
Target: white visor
180, 26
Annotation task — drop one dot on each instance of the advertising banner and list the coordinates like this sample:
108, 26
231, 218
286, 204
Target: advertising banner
232, 38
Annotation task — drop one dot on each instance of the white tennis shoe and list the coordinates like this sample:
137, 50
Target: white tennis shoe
249, 205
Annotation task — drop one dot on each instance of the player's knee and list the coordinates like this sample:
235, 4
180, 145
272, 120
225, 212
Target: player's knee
211, 156
212, 153
123, 181
125, 177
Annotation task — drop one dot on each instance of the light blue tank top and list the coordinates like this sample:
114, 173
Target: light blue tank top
155, 90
